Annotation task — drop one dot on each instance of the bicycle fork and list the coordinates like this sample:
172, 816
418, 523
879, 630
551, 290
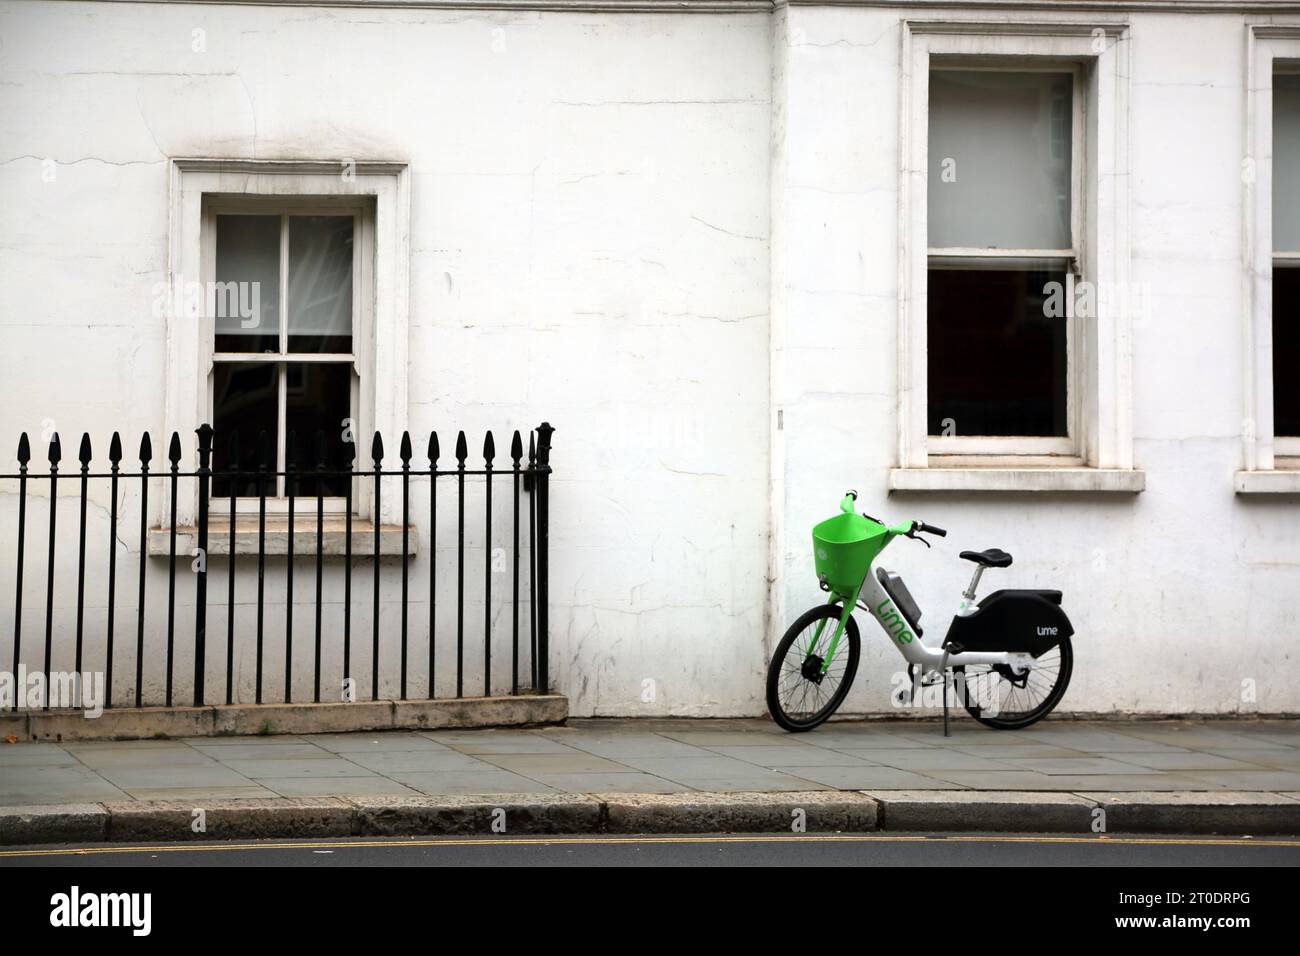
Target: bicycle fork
849, 605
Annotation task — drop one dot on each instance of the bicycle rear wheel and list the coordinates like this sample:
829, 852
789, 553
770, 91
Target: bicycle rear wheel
999, 698
799, 695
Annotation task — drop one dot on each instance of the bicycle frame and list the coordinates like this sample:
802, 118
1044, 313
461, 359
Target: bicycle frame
872, 597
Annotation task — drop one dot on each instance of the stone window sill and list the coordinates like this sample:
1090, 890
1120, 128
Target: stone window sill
277, 538
1037, 479
1280, 482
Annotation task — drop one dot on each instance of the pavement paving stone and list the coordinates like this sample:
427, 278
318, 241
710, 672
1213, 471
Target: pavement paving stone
387, 761
797, 756
666, 756
297, 767
470, 782
869, 778
609, 783
394, 741
373, 786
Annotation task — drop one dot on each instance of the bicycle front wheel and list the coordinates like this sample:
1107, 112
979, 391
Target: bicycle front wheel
800, 693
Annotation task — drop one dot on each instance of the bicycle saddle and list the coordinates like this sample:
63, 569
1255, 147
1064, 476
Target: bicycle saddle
992, 558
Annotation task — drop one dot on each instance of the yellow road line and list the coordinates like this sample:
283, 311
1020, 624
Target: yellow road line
1100, 839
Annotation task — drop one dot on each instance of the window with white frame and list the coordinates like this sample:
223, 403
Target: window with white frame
324, 345
1014, 372
285, 364
1003, 223
1286, 262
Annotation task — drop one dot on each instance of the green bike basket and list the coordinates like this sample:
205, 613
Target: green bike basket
843, 549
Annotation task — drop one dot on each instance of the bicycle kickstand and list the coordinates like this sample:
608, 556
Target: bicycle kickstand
947, 732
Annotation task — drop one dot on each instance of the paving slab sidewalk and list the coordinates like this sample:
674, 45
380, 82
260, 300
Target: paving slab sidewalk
1227, 776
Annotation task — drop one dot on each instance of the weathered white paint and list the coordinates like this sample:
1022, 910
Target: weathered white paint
674, 235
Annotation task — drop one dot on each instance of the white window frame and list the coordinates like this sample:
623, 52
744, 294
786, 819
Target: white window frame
380, 316
1270, 464
361, 357
1065, 448
1099, 453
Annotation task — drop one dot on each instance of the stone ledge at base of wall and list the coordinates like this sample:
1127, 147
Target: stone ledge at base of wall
1193, 813
251, 719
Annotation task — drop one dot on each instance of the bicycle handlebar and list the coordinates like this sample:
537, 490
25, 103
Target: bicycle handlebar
930, 529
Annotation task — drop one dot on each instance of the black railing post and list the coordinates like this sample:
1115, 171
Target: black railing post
516, 453
24, 456
146, 455
174, 456
263, 465
461, 453
233, 478
204, 432
405, 455
56, 453
544, 431
320, 545
83, 456
433, 552
489, 451
115, 460
290, 489
348, 690
529, 485
377, 455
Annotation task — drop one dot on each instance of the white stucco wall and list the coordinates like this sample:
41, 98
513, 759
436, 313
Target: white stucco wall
656, 231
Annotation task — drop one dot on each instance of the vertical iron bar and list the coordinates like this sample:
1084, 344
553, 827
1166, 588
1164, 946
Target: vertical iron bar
544, 431
230, 572
55, 454
433, 550
460, 564
516, 452
174, 456
489, 451
146, 453
376, 454
320, 538
347, 571
530, 485
115, 459
263, 462
290, 478
204, 432
83, 456
406, 521
24, 456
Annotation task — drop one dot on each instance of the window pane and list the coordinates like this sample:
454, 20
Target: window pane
1286, 352
248, 292
1000, 159
320, 284
997, 359
244, 400
319, 399
1286, 162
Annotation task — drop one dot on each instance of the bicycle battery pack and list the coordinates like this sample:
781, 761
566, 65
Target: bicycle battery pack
902, 598
1016, 621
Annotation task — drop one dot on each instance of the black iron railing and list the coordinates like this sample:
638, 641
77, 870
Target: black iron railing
528, 477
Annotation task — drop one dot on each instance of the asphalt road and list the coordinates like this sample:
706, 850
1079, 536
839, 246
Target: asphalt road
920, 849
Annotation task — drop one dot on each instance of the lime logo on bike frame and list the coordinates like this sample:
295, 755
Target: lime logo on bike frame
894, 623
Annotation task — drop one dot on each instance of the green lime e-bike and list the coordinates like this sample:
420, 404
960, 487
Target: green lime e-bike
1009, 654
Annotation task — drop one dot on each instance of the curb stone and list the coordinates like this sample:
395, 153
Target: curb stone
1200, 811
823, 811
520, 813
985, 810
173, 820
58, 823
